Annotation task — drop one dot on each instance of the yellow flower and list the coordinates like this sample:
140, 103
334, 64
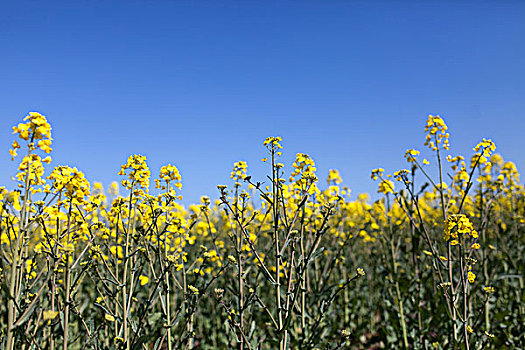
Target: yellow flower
171, 258
385, 187
139, 173
72, 183
113, 189
193, 289
457, 225
169, 177
14, 198
272, 143
143, 280
334, 177
239, 171
13, 154
36, 128
489, 289
303, 176
410, 155
30, 269
471, 277
377, 173
436, 133
50, 315
45, 145
486, 147
219, 293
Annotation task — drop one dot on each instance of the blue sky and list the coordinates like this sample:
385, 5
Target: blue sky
201, 84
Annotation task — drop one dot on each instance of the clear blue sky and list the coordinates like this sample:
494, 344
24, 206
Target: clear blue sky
200, 84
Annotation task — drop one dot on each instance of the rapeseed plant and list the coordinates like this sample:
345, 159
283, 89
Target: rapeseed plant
287, 262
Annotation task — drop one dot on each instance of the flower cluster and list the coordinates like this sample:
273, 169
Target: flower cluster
385, 185
31, 170
138, 174
169, 176
457, 226
334, 178
71, 183
273, 143
483, 151
303, 174
410, 155
239, 171
436, 131
35, 129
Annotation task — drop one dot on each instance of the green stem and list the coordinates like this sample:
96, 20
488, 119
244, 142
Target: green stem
275, 208
125, 272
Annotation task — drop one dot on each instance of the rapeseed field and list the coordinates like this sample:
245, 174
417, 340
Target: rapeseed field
289, 261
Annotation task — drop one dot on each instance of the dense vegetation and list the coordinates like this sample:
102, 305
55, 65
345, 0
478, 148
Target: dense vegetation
283, 262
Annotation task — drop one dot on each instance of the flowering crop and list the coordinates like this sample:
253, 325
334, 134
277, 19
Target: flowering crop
288, 263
